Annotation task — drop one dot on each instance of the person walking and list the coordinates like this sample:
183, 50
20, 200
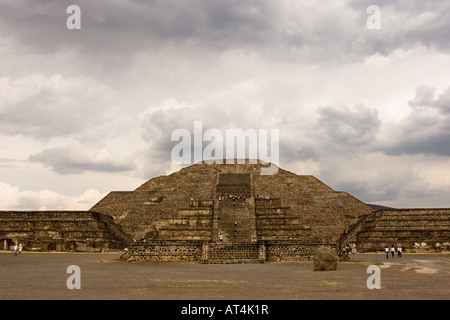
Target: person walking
399, 252
386, 250
20, 248
392, 251
15, 249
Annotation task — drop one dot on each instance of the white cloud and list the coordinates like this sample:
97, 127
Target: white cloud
43, 107
78, 159
15, 199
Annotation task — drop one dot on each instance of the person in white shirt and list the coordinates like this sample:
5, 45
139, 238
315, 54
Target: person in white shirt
392, 251
15, 249
399, 252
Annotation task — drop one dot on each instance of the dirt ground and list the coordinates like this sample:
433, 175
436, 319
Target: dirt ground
104, 276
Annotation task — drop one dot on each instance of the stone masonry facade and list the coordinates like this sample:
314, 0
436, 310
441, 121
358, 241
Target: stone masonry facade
61, 231
236, 252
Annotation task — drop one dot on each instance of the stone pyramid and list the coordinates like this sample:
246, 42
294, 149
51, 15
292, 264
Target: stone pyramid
233, 202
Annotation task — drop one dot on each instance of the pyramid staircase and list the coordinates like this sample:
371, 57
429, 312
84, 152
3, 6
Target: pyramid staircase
236, 221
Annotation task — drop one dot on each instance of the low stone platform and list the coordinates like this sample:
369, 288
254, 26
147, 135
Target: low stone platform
236, 252
223, 252
412, 229
61, 231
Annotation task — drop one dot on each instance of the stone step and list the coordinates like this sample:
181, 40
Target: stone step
412, 233
410, 218
239, 217
409, 227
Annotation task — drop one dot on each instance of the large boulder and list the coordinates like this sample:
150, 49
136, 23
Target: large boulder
325, 259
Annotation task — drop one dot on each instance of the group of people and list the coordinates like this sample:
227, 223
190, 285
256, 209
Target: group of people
231, 196
261, 197
239, 197
17, 249
346, 250
234, 232
392, 250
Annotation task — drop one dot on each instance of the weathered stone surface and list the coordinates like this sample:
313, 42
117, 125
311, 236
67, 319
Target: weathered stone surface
294, 207
231, 252
415, 230
61, 231
325, 259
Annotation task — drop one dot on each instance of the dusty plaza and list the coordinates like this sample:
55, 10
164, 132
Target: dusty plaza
225, 233
104, 276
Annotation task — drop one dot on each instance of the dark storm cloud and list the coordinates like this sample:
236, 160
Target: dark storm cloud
44, 107
337, 129
159, 124
74, 159
409, 23
130, 26
438, 144
351, 127
220, 119
388, 190
280, 31
426, 130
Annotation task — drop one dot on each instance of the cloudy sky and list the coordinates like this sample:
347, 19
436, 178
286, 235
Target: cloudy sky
84, 112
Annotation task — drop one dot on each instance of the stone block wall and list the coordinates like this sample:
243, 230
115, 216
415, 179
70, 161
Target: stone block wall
61, 231
192, 223
238, 252
292, 250
276, 222
166, 251
405, 227
233, 252
234, 184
